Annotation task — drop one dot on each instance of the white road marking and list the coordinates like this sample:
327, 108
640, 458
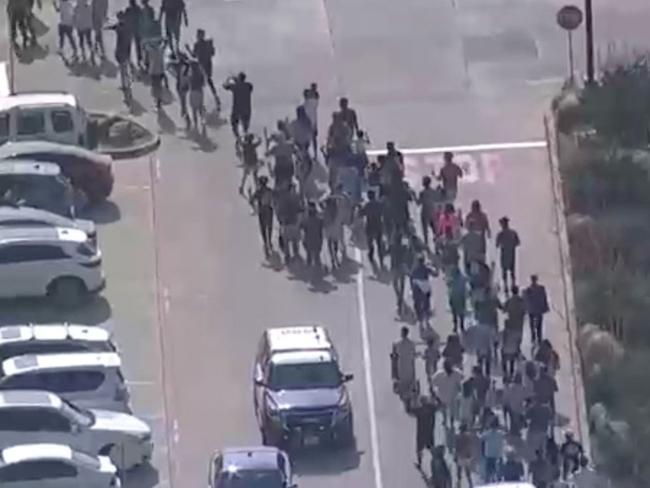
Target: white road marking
141, 383
5, 88
158, 170
177, 435
547, 81
370, 391
166, 300
470, 148
488, 163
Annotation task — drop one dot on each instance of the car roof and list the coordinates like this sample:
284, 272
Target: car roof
18, 212
247, 458
29, 167
29, 398
27, 100
33, 362
302, 357
31, 452
16, 148
53, 332
17, 234
298, 338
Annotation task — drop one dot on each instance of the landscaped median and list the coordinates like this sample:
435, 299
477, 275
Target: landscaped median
602, 140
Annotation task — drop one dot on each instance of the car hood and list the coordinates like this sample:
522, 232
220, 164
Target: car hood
312, 398
106, 420
88, 226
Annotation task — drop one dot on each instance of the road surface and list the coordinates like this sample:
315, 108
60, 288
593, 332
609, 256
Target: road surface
189, 292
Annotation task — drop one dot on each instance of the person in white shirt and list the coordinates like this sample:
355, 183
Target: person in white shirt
311, 98
83, 22
66, 24
446, 385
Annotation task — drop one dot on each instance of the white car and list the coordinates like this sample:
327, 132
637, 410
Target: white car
14, 215
19, 340
87, 379
36, 416
56, 262
54, 466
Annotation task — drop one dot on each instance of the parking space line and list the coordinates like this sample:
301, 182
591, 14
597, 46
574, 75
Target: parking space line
469, 148
367, 361
158, 169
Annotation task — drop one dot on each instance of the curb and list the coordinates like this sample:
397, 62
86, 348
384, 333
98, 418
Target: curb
130, 151
569, 300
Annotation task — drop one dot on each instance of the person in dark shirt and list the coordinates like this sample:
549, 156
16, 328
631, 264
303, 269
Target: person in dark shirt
241, 102
440, 472
512, 469
312, 227
132, 19
348, 115
174, 13
372, 212
203, 51
399, 268
507, 242
424, 412
537, 306
288, 209
262, 202
449, 175
571, 451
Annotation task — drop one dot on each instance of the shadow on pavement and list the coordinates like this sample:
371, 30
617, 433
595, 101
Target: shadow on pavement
347, 272
213, 119
145, 476
165, 122
381, 274
23, 311
298, 270
29, 54
136, 108
103, 213
324, 460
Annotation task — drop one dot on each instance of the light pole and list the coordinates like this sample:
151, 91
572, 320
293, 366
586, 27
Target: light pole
589, 29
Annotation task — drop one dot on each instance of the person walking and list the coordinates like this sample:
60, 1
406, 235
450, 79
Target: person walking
540, 419
545, 388
537, 306
262, 202
571, 452
474, 250
512, 470
464, 455
241, 90
203, 50
312, 227
310, 103
515, 396
100, 15
174, 12
457, 290
83, 23
250, 160
399, 268
288, 209
515, 310
197, 103
424, 411
478, 219
449, 175
453, 351
181, 66
493, 440
541, 471
333, 229
440, 472
446, 384
348, 115
66, 10
507, 242
372, 213
132, 17
431, 356
403, 367
510, 350
155, 50
427, 200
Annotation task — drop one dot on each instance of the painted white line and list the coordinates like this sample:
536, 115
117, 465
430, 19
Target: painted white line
5, 89
546, 81
158, 170
470, 148
166, 300
177, 435
142, 383
367, 361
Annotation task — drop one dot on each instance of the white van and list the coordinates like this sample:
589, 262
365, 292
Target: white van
49, 116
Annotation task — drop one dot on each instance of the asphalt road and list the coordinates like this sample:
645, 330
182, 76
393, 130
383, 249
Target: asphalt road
189, 291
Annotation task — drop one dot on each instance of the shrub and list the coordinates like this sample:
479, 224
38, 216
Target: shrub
618, 106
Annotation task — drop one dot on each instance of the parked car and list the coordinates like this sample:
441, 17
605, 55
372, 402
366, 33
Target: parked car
38, 185
19, 340
263, 466
41, 416
55, 466
299, 392
52, 262
44, 116
89, 171
14, 215
87, 379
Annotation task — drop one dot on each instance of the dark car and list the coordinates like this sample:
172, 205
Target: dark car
300, 394
250, 467
89, 171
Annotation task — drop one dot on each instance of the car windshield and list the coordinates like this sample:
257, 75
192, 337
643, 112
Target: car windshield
252, 478
83, 417
304, 376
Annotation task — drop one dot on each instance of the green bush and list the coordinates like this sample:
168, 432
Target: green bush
602, 179
618, 106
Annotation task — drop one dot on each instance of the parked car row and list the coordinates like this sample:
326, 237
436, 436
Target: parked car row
65, 414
